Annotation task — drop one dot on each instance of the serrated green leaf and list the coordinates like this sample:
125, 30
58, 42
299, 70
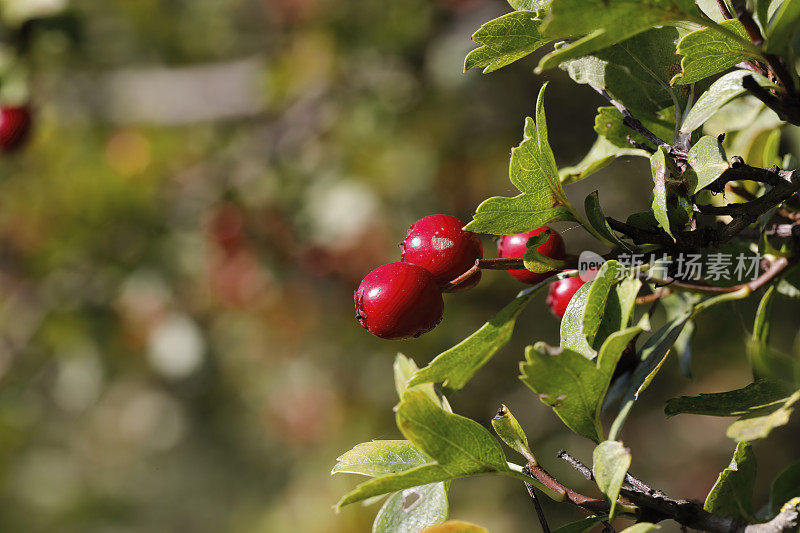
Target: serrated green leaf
611, 463
380, 457
596, 217
707, 52
708, 161
583, 315
720, 93
785, 487
581, 526
600, 155
599, 22
456, 366
571, 384
783, 25
455, 526
510, 432
635, 72
732, 494
455, 442
505, 40
456, 446
533, 171
608, 123
412, 509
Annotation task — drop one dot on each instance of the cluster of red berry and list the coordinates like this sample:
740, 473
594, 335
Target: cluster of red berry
15, 123
404, 299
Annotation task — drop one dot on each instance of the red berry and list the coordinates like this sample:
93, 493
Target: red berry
439, 244
15, 122
514, 246
398, 300
561, 292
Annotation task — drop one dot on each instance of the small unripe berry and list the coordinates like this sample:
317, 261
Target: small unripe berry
398, 300
440, 245
561, 292
514, 246
15, 123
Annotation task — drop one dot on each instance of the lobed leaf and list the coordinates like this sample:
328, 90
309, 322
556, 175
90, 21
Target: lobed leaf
505, 40
533, 171
707, 52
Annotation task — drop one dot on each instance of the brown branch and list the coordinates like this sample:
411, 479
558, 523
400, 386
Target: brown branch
775, 268
724, 10
536, 503
629, 120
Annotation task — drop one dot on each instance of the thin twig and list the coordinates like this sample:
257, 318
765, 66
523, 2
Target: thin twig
536, 503
629, 120
775, 268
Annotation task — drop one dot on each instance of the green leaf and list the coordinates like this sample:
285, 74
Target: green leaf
611, 463
596, 217
569, 383
573, 385
785, 487
755, 398
608, 123
660, 172
635, 72
581, 526
641, 527
380, 457
708, 161
600, 155
456, 366
782, 27
412, 509
707, 52
759, 426
455, 442
510, 432
536, 261
505, 40
584, 313
533, 171
765, 362
732, 494
457, 447
599, 22
720, 93
455, 526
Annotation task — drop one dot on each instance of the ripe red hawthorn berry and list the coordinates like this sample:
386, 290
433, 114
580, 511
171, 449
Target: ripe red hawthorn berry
398, 300
15, 123
440, 245
561, 292
514, 246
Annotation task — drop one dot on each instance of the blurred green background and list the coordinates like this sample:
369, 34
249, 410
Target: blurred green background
206, 184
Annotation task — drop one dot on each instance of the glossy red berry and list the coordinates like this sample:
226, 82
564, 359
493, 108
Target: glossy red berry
398, 300
15, 123
440, 245
514, 246
561, 292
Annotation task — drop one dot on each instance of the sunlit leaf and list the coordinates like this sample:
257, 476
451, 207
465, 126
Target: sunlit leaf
505, 40
732, 494
707, 52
